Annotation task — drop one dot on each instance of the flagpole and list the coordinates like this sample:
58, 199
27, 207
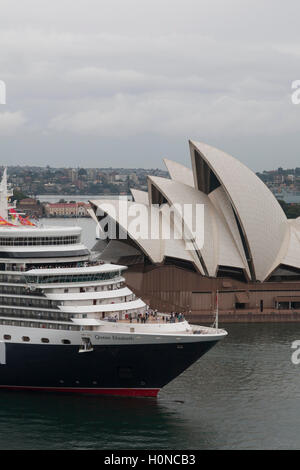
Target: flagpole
217, 310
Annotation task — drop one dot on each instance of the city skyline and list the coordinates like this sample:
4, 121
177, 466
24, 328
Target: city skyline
80, 180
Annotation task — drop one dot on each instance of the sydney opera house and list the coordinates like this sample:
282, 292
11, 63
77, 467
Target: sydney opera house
247, 257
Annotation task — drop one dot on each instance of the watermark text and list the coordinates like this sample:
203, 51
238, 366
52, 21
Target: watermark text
156, 222
2, 92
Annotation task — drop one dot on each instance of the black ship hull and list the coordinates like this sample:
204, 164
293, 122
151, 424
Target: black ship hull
125, 370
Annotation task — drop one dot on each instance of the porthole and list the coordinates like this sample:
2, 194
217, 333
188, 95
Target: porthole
44, 340
6, 337
66, 341
25, 338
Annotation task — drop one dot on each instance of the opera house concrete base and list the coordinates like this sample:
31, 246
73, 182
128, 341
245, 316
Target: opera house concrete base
170, 288
249, 252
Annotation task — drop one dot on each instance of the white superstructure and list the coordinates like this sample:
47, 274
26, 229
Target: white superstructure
48, 281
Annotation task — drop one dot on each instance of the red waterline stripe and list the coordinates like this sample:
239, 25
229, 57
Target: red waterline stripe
123, 392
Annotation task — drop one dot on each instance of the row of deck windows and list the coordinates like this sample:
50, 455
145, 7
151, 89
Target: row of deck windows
72, 278
22, 290
28, 302
15, 279
35, 314
36, 241
100, 288
105, 301
18, 290
51, 326
23, 279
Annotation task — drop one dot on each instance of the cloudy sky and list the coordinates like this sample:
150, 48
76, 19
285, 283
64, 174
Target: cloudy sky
128, 82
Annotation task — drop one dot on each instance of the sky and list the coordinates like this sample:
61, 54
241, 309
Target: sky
125, 83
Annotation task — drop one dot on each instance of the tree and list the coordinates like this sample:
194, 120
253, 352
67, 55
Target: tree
18, 195
292, 211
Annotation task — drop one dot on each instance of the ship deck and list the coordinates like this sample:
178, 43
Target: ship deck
194, 329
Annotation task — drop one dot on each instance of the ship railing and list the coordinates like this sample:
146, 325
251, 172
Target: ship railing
205, 330
162, 318
28, 267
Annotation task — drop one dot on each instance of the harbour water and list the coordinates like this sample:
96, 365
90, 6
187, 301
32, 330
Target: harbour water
53, 198
243, 394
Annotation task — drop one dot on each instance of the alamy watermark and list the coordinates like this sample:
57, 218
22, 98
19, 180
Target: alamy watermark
2, 92
295, 358
124, 219
296, 94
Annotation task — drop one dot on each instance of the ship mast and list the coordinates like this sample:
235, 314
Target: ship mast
4, 196
217, 311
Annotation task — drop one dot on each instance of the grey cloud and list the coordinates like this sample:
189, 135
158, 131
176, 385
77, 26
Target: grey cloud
211, 70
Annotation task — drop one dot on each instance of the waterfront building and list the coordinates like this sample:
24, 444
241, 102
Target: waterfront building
67, 209
250, 254
30, 207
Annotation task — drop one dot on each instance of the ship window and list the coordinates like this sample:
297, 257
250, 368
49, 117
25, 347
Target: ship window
6, 337
30, 241
66, 341
25, 338
44, 340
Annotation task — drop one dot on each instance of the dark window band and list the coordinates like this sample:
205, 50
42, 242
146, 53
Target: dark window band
43, 254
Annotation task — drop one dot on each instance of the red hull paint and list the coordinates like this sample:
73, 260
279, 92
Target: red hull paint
121, 392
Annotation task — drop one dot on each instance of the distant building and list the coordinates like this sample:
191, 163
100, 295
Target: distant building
121, 178
67, 209
30, 207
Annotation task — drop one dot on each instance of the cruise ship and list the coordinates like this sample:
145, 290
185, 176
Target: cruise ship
70, 324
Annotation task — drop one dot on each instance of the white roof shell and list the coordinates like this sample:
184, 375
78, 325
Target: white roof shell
140, 196
151, 218
292, 257
116, 211
244, 225
179, 172
262, 220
